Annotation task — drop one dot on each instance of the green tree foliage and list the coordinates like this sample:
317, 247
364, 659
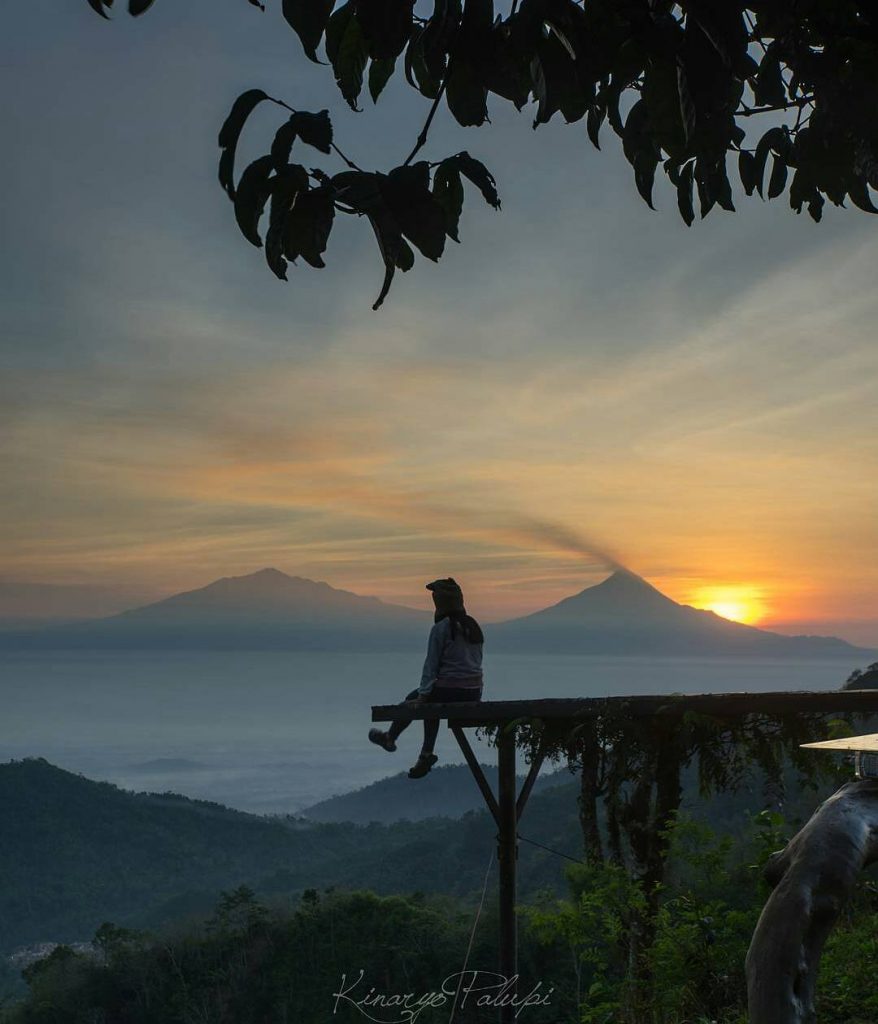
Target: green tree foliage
633, 769
253, 962
709, 904
78, 853
676, 82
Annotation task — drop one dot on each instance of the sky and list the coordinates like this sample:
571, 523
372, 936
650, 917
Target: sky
582, 383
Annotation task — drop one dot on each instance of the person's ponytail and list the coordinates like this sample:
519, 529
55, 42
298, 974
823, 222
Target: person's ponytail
472, 631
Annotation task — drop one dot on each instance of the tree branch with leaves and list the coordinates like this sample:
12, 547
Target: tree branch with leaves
672, 81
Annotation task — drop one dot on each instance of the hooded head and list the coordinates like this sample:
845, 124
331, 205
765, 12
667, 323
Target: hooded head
447, 596
448, 601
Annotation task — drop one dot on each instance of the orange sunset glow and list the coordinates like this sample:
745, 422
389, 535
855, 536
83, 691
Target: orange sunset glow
738, 602
579, 385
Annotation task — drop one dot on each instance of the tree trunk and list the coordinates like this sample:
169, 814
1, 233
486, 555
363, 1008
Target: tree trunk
812, 879
589, 791
647, 830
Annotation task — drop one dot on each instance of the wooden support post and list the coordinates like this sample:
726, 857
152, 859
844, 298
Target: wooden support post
529, 781
506, 810
476, 769
507, 854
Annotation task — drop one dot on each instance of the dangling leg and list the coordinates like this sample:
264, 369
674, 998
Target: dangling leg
427, 759
387, 740
397, 727
431, 731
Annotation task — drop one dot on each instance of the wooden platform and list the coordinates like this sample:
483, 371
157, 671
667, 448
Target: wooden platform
507, 806
496, 712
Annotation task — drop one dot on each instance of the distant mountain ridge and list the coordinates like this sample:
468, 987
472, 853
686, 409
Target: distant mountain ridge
623, 615
263, 610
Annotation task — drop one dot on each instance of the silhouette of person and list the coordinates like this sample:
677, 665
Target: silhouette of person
452, 670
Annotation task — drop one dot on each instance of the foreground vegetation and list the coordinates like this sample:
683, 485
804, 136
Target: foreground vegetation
251, 963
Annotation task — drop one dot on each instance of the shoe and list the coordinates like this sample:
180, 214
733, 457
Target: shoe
424, 763
382, 739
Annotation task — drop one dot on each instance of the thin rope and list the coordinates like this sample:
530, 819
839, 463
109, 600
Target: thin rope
558, 853
472, 935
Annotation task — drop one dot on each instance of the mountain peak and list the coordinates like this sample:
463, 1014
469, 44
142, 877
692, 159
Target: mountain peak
623, 587
270, 599
625, 578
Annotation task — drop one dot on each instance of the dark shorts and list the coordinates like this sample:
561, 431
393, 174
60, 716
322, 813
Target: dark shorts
450, 694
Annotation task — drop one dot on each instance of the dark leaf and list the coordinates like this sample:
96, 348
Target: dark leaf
722, 24
747, 171
284, 190
556, 84
416, 71
308, 225
596, 115
662, 98
348, 52
365, 192
386, 25
315, 129
644, 174
721, 188
640, 149
439, 36
448, 191
480, 176
466, 96
98, 5
504, 68
859, 193
770, 89
392, 247
336, 27
137, 7
230, 133
251, 196
379, 75
815, 206
628, 65
801, 189
777, 181
704, 181
406, 191
308, 19
773, 140
283, 144
357, 189
478, 17
635, 131
405, 258
688, 110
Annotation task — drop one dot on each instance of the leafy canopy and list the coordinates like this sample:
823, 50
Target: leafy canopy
674, 81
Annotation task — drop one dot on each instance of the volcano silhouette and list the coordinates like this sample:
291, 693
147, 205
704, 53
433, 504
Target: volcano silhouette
625, 615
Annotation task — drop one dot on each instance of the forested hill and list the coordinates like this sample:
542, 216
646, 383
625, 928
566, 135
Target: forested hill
449, 791
77, 853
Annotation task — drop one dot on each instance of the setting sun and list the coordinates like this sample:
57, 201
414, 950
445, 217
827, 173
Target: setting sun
739, 603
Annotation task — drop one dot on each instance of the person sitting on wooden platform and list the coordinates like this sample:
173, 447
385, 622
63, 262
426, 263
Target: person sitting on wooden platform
452, 670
